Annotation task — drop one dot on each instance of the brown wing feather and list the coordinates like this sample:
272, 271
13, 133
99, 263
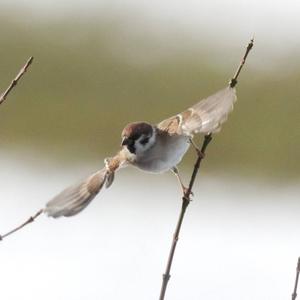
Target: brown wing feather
75, 198
205, 116
171, 125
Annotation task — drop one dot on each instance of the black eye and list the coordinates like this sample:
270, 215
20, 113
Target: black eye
144, 141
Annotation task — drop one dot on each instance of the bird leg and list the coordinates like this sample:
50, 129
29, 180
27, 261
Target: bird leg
183, 187
198, 150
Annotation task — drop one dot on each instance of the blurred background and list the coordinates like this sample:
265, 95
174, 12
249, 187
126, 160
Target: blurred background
101, 64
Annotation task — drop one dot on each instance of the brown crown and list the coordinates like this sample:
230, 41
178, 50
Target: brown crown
135, 130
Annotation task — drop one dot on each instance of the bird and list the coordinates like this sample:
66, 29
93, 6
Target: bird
154, 148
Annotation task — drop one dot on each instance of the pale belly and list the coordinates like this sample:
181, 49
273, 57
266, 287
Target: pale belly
165, 155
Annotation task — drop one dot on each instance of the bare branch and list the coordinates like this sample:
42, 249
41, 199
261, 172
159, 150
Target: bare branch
186, 196
294, 295
2, 99
15, 81
233, 81
185, 203
30, 220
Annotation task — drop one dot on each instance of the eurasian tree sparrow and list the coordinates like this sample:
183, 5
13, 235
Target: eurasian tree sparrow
151, 148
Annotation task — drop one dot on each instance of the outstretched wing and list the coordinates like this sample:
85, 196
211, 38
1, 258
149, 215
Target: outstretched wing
206, 116
75, 198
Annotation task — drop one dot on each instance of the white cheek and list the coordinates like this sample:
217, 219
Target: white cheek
152, 139
150, 143
141, 149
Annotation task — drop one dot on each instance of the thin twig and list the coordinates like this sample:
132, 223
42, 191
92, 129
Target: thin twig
30, 220
15, 81
294, 295
186, 197
233, 81
185, 203
2, 99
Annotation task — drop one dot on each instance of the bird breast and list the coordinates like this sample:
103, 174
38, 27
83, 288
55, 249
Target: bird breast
166, 153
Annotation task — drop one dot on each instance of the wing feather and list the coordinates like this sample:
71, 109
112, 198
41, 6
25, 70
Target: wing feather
206, 116
75, 198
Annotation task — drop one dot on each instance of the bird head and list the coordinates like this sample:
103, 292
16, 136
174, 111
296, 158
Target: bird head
138, 137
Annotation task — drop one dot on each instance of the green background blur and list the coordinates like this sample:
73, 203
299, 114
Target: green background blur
90, 77
99, 64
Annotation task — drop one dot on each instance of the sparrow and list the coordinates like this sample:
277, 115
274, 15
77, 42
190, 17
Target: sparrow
151, 148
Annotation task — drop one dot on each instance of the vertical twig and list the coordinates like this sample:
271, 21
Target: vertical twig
30, 220
15, 81
294, 295
186, 197
185, 203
